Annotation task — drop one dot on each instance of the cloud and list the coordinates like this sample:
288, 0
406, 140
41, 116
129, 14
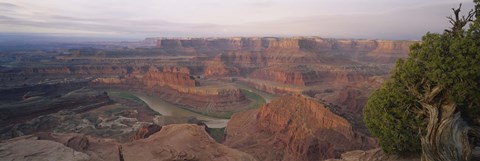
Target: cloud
404, 23
7, 8
222, 18
263, 4
7, 5
106, 26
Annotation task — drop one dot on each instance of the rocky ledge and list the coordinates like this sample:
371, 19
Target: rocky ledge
187, 142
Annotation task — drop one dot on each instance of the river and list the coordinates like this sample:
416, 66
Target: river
168, 109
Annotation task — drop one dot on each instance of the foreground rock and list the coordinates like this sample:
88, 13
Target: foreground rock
38, 150
187, 142
97, 149
181, 142
293, 128
373, 155
379, 155
145, 131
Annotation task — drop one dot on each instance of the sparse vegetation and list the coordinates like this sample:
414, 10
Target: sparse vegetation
220, 115
217, 134
113, 111
257, 100
131, 97
127, 96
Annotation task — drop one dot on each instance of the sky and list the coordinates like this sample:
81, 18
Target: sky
358, 19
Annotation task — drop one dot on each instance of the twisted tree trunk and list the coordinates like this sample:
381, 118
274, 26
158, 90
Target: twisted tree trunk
446, 136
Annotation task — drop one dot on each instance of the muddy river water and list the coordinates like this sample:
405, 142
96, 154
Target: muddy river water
168, 109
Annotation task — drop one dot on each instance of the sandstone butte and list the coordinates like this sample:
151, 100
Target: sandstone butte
294, 127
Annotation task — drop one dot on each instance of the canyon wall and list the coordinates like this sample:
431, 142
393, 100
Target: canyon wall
303, 43
151, 76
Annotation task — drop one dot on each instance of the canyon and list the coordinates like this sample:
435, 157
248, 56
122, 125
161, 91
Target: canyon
238, 98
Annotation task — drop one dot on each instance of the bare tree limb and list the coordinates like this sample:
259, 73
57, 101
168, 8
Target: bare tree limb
458, 23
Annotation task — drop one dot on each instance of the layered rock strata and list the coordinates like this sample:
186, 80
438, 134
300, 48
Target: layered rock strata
293, 127
270, 43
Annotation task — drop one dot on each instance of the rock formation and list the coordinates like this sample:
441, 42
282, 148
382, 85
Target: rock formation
293, 127
176, 78
181, 142
299, 43
187, 142
152, 77
145, 131
39, 150
373, 155
96, 149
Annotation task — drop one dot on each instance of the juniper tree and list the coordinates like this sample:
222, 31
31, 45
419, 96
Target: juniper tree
431, 103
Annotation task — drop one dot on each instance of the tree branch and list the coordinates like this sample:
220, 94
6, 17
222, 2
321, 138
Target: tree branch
459, 22
431, 94
474, 133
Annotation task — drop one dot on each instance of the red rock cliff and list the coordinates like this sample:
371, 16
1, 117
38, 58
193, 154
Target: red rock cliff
293, 128
154, 77
271, 43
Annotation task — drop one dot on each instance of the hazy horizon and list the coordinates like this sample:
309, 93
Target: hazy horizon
128, 20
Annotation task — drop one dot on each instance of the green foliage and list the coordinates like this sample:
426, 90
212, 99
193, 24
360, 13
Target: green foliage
450, 62
394, 114
388, 118
131, 97
217, 133
128, 96
257, 100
